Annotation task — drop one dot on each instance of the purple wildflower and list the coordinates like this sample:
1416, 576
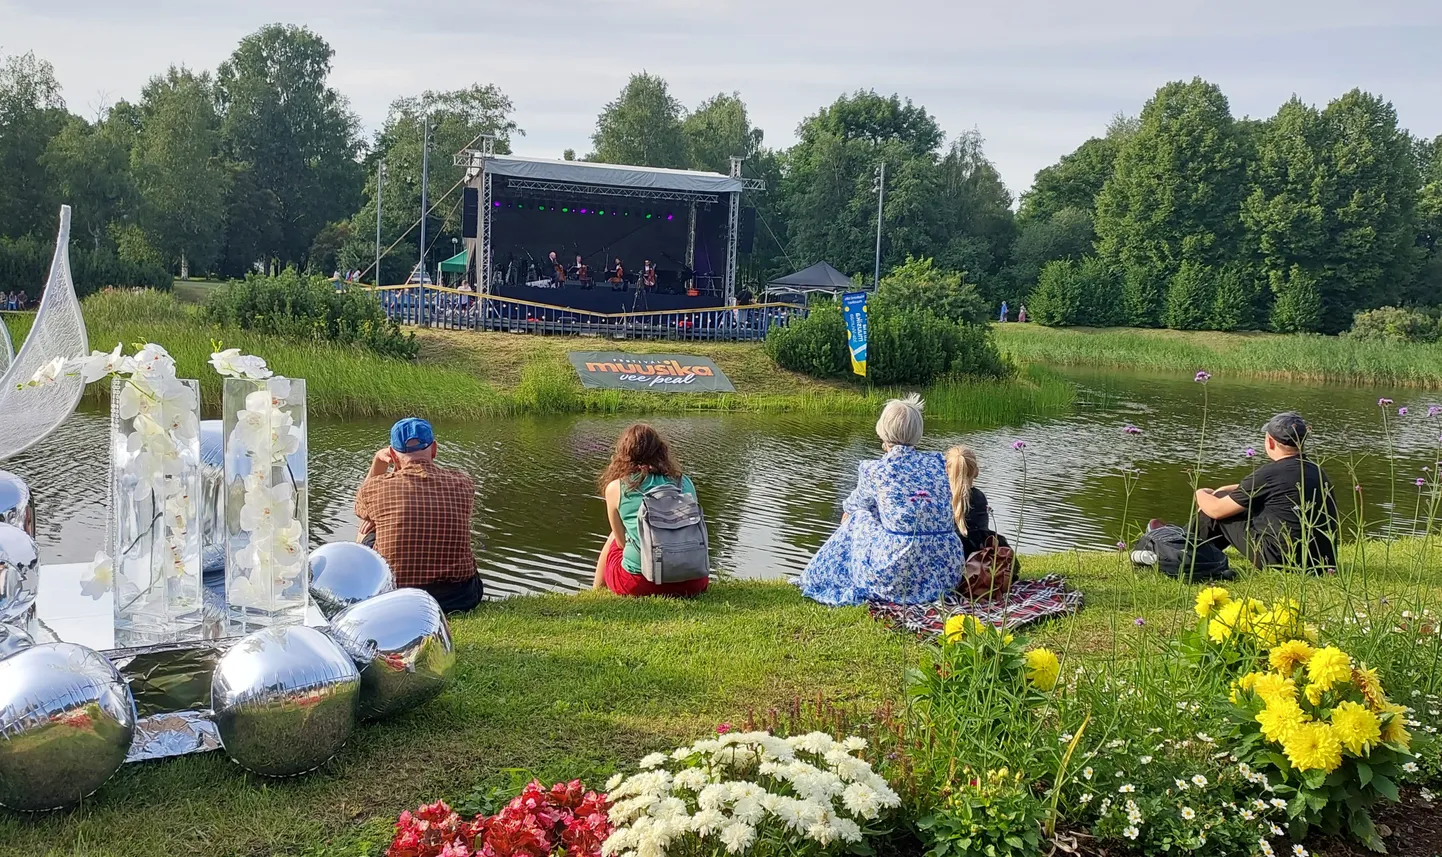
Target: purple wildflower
1018, 445
1250, 453
1382, 403
1139, 622
1421, 482
1434, 410
1203, 377
1357, 488
1121, 546
1401, 412
1131, 429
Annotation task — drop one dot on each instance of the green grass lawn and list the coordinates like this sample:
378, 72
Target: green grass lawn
194, 291
562, 686
1266, 355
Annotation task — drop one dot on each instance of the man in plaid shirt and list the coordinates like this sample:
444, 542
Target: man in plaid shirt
417, 515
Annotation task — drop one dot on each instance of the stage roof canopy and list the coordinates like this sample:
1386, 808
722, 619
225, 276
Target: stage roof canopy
611, 175
819, 277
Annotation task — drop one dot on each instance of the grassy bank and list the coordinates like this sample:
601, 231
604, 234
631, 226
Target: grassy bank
1265, 355
559, 686
464, 374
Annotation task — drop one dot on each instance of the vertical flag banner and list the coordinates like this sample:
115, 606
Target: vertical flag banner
853, 305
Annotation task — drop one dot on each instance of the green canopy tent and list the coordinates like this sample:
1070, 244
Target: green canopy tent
455, 265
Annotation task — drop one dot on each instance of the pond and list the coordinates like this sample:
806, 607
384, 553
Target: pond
772, 485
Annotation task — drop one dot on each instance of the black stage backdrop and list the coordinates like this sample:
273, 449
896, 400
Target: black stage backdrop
523, 233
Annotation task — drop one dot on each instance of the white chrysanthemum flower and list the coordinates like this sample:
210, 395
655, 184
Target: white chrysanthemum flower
621, 839
748, 810
790, 811
737, 837
854, 743
861, 800
714, 796
708, 821
654, 760
615, 780
690, 779
669, 809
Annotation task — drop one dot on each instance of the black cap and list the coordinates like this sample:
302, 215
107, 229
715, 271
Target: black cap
1287, 428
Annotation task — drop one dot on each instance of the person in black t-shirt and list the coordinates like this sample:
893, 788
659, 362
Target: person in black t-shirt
1283, 514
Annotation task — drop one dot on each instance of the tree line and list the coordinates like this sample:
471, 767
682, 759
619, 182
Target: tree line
1196, 219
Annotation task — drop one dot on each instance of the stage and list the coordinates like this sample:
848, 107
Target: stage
602, 299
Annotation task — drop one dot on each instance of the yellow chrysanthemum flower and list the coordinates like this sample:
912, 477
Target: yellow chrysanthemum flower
1280, 718
1313, 693
1042, 668
1228, 621
1395, 729
1244, 685
1370, 684
1278, 625
1288, 656
1274, 687
1211, 598
1313, 746
960, 627
1328, 667
1358, 729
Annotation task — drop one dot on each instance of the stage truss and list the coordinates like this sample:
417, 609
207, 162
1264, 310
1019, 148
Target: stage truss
474, 162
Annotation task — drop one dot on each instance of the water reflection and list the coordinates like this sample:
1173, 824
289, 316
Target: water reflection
772, 484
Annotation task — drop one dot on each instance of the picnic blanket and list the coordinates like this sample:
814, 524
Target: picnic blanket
1027, 602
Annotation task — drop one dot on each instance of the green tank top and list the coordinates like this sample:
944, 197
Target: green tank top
630, 509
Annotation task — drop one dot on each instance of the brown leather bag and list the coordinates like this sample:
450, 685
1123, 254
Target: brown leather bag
989, 571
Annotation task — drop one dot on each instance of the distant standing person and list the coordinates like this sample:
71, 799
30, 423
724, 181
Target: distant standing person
1004, 311
1021, 314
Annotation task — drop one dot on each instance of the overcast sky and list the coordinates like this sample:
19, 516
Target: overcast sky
1035, 78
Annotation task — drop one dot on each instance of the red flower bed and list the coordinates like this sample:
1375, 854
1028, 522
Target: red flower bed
539, 822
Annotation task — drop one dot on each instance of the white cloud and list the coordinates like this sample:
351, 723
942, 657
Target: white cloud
1036, 78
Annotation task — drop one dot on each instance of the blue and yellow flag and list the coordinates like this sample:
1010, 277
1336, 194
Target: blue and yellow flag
853, 305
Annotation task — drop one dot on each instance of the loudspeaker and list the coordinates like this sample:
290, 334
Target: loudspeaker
470, 211
746, 231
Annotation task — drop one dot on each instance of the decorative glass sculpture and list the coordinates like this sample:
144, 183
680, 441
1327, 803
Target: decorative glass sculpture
266, 577
155, 509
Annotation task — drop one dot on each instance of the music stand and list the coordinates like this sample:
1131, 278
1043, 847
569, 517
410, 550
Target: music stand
638, 297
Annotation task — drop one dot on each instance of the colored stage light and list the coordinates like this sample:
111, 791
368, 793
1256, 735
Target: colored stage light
498, 203
583, 211
602, 211
522, 205
648, 215
670, 217
565, 211
543, 208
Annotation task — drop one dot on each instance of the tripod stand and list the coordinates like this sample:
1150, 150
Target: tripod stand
638, 297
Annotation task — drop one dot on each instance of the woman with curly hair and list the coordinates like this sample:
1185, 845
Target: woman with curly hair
641, 461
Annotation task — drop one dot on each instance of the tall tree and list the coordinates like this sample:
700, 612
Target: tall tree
642, 126
717, 130
178, 169
457, 118
1370, 217
293, 135
31, 114
974, 211
1175, 187
1428, 287
89, 167
1077, 179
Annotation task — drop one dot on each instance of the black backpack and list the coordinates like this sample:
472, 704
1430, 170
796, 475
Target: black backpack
1183, 559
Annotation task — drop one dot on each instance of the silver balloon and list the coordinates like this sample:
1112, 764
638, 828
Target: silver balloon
408, 653
346, 573
66, 723
17, 505
13, 639
212, 509
284, 700
19, 576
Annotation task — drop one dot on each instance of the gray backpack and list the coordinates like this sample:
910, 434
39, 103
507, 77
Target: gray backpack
674, 547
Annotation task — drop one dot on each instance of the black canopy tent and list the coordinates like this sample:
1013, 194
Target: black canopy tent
821, 277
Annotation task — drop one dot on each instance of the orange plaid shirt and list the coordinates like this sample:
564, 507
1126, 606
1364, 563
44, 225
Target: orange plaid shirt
422, 515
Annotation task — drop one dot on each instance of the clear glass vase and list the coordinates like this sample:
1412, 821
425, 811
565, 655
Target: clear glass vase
267, 581
154, 532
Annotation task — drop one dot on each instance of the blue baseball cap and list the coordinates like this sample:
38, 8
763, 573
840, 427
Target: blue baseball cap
411, 434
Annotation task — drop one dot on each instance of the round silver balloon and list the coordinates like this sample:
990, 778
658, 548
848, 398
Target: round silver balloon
346, 573
212, 509
284, 700
13, 639
67, 719
17, 504
19, 576
409, 653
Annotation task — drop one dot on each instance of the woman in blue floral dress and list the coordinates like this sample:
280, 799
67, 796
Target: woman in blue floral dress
897, 541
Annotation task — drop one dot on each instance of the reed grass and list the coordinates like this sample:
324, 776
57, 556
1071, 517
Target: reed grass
1264, 355
467, 374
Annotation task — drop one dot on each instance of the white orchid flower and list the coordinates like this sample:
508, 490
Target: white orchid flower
100, 578
230, 363
99, 364
49, 373
267, 508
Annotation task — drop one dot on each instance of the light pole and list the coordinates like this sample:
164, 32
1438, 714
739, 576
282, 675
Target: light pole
425, 181
880, 187
380, 188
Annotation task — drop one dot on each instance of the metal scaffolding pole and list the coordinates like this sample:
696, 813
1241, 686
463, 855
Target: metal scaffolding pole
733, 226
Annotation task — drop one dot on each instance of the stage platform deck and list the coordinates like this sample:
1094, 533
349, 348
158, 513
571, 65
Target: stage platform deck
601, 298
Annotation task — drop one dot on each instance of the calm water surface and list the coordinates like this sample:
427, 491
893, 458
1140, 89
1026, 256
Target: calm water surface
772, 485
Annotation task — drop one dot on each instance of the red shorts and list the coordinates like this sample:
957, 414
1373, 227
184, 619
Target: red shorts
623, 582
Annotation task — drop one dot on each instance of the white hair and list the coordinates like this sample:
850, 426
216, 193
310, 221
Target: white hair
901, 422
